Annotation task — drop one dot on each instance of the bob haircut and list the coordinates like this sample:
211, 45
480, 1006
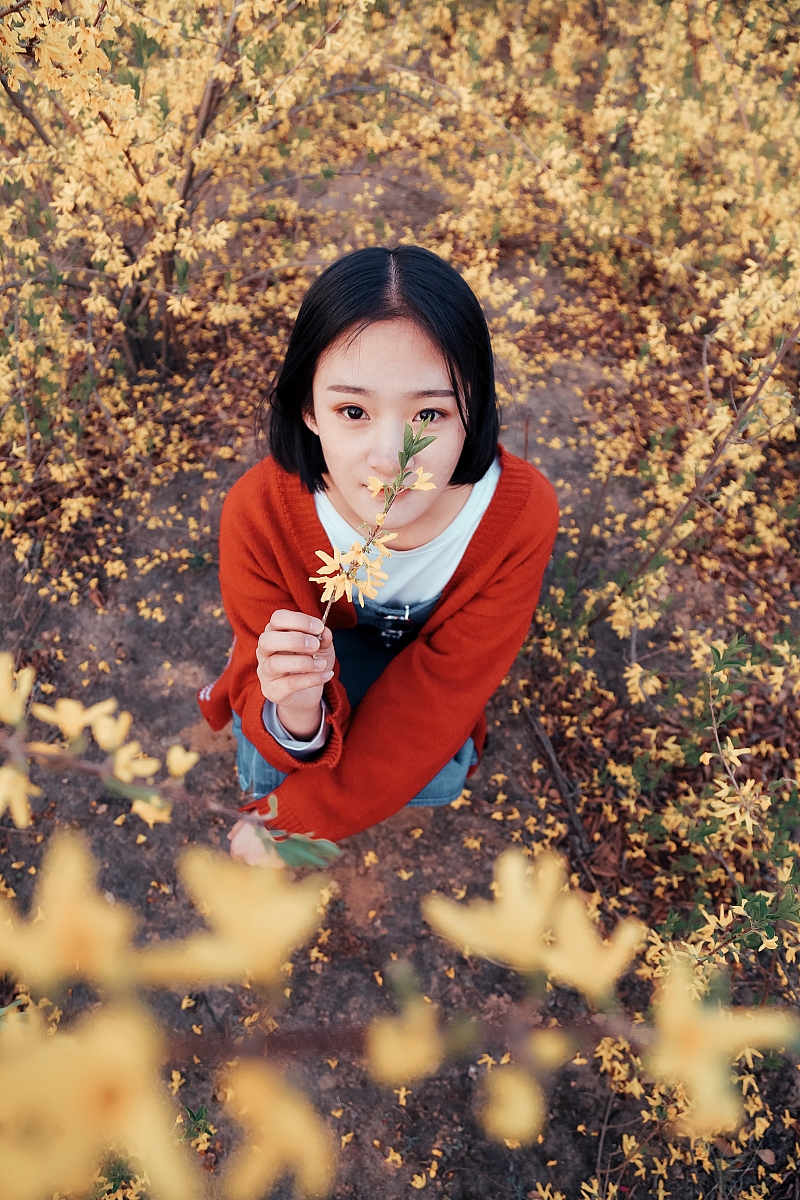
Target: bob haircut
358, 290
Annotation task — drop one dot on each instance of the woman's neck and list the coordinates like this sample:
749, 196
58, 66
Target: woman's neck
418, 533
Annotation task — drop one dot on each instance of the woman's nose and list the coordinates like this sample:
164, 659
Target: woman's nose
382, 459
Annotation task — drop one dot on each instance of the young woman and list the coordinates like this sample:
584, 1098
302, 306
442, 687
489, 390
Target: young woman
343, 726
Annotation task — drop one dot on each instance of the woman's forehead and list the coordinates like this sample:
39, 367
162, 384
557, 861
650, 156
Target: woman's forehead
381, 344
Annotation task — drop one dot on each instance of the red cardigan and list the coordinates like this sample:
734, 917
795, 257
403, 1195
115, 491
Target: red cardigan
431, 696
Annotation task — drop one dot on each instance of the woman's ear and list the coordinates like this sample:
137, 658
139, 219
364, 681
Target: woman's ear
310, 422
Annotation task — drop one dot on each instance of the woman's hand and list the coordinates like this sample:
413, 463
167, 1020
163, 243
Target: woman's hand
248, 846
295, 657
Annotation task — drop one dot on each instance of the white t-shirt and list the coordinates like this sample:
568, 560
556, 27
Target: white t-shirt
414, 576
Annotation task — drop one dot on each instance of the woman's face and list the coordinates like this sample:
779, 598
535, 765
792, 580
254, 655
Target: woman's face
365, 391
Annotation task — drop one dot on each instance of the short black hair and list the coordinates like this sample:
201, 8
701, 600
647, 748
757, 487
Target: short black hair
360, 289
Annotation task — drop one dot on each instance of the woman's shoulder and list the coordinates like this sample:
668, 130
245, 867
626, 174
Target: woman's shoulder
525, 489
260, 488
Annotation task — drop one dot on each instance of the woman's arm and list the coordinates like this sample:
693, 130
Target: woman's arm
257, 596
423, 707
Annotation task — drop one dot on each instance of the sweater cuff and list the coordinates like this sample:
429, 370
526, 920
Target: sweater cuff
298, 748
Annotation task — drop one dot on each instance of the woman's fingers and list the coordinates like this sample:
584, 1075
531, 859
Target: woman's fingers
279, 690
295, 664
248, 847
283, 619
273, 641
295, 654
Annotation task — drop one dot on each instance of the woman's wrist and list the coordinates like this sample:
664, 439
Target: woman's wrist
301, 724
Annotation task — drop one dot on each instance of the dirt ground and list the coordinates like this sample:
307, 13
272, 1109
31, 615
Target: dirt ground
154, 670
154, 667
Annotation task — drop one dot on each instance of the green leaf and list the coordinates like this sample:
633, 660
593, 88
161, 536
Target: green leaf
298, 850
423, 442
408, 440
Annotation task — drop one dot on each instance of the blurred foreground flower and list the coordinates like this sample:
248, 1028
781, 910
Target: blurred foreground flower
130, 763
257, 918
74, 932
14, 690
405, 1047
65, 1099
285, 1134
534, 925
110, 732
514, 1106
71, 717
180, 761
15, 787
696, 1044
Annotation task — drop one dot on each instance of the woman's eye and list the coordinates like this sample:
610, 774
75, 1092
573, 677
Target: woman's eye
433, 413
353, 412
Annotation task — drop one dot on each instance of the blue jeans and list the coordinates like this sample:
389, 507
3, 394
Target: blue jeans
258, 778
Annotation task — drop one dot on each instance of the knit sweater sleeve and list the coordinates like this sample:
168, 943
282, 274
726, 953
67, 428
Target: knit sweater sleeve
253, 587
426, 702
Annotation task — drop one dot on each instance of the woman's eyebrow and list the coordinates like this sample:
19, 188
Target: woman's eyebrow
423, 394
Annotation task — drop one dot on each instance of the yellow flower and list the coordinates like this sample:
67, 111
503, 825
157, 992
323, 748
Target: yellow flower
534, 925
70, 716
511, 928
15, 787
514, 1106
130, 763
375, 486
46, 749
580, 959
76, 933
406, 1047
331, 564
179, 761
732, 754
14, 690
110, 732
285, 1134
65, 1099
380, 518
421, 483
696, 1044
549, 1049
257, 917
153, 811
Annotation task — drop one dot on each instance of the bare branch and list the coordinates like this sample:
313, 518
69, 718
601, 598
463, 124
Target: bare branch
15, 8
568, 790
24, 110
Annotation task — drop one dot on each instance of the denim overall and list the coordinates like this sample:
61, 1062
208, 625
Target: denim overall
363, 653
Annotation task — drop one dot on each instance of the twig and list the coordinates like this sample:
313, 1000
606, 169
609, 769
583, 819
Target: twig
27, 113
601, 1142
16, 284
715, 465
15, 8
568, 791
205, 113
15, 746
205, 1000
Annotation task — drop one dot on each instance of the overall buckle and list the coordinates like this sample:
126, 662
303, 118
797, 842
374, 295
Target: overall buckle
394, 627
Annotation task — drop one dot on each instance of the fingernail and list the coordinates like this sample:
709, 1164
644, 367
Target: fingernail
328, 675
319, 663
316, 625
312, 643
